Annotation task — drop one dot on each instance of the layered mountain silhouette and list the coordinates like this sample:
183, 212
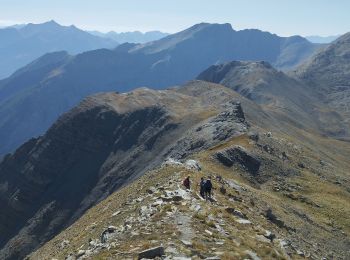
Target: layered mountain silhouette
21, 45
44, 94
132, 37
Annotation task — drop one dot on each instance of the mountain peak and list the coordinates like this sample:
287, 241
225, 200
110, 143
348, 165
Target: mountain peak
49, 24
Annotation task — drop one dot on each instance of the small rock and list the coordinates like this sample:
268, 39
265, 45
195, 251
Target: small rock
186, 243
64, 243
80, 253
139, 199
243, 221
236, 213
262, 239
152, 253
111, 229
151, 190
70, 257
253, 136
116, 213
157, 203
301, 253
252, 254
208, 232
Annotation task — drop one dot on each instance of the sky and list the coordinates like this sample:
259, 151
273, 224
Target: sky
283, 17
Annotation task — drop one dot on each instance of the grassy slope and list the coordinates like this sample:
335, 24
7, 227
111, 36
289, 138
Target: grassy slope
313, 200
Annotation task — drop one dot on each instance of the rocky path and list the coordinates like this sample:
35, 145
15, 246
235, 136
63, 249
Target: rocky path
167, 220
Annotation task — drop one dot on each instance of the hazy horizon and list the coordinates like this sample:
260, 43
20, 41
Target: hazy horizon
314, 17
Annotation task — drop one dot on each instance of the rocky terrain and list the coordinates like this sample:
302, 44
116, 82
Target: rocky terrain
267, 177
266, 205
59, 86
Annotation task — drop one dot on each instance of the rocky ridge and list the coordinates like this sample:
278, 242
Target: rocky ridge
156, 217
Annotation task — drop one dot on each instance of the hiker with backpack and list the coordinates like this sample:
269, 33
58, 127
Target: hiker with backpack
187, 183
207, 188
202, 188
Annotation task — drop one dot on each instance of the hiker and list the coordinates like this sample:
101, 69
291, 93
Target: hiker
187, 183
104, 236
201, 186
207, 188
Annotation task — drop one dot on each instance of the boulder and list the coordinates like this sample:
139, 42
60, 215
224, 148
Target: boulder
152, 253
236, 213
253, 136
172, 162
80, 253
192, 165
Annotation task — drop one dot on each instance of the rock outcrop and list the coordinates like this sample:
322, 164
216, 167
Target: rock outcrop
238, 156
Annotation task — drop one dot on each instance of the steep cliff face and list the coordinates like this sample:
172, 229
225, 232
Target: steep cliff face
100, 146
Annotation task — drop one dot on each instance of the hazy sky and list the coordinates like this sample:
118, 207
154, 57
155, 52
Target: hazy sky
284, 17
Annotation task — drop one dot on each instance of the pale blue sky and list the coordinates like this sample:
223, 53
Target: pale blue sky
283, 17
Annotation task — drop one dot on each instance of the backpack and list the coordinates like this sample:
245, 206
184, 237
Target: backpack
208, 185
186, 182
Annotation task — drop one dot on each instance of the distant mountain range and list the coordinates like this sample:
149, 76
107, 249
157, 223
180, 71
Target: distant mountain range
132, 37
34, 97
20, 45
322, 39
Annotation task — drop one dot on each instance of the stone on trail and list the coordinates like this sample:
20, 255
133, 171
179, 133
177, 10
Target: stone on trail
116, 213
208, 232
172, 162
236, 213
152, 253
80, 253
186, 243
243, 221
252, 254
